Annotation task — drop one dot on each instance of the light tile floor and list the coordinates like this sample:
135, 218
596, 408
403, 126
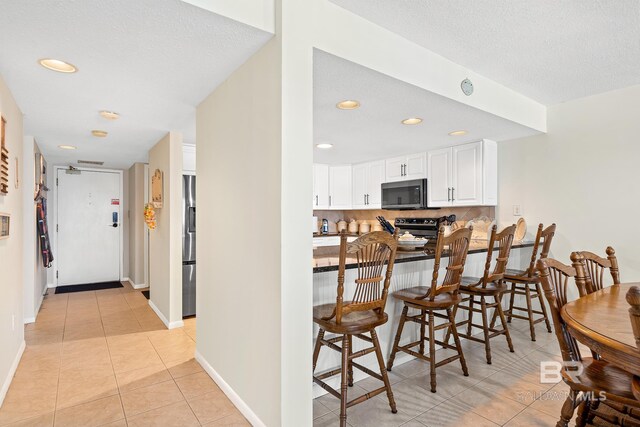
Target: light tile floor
506, 393
104, 358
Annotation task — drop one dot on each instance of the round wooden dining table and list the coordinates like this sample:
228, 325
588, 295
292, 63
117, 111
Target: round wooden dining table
601, 322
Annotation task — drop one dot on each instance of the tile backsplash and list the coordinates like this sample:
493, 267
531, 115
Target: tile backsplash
462, 214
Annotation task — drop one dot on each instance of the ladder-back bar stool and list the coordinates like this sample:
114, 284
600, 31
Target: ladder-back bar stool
358, 316
527, 283
478, 291
429, 300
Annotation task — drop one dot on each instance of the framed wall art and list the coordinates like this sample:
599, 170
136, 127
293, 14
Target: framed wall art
5, 223
156, 189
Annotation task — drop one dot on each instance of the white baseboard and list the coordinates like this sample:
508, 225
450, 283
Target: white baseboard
28, 320
51, 285
133, 284
169, 325
12, 371
231, 394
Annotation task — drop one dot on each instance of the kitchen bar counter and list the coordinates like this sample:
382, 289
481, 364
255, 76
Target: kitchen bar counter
411, 269
327, 258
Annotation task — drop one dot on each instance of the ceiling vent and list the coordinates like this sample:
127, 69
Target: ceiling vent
90, 162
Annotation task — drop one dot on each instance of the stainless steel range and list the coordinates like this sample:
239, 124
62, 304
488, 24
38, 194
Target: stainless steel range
423, 227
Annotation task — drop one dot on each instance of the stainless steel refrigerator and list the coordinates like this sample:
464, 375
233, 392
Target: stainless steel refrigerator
189, 246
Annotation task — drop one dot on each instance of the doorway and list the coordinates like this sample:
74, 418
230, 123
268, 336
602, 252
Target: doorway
89, 226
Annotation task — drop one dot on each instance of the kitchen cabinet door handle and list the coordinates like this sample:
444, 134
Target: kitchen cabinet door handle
448, 194
405, 169
452, 193
329, 200
367, 199
316, 200
364, 196
401, 170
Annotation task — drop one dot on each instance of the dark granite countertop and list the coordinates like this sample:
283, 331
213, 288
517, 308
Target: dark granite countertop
327, 258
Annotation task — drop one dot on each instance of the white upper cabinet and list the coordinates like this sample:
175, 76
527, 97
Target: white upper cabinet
360, 185
320, 186
340, 187
189, 159
439, 179
466, 174
367, 182
405, 168
376, 178
463, 175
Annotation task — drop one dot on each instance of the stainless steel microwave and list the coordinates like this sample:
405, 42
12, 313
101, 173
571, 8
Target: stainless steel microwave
405, 195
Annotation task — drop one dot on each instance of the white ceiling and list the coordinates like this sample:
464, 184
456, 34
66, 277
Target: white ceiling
551, 51
152, 61
374, 130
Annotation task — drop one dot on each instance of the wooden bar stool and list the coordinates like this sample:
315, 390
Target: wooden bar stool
595, 378
595, 267
359, 316
478, 291
527, 283
430, 300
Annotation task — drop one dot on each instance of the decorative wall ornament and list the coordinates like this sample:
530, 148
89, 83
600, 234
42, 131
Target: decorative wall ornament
150, 216
157, 189
4, 159
17, 175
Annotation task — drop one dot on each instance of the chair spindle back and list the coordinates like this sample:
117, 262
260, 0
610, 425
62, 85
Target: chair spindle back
372, 251
544, 235
458, 243
505, 241
596, 265
633, 298
555, 277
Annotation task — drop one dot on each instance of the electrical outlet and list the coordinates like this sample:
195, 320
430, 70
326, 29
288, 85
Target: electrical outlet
516, 210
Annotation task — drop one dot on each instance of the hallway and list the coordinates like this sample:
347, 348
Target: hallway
103, 358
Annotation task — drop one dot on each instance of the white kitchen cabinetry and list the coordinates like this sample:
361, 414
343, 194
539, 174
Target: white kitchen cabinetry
405, 168
439, 178
367, 183
340, 189
189, 159
320, 186
463, 175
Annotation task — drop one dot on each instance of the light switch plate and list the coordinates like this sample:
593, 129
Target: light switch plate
516, 210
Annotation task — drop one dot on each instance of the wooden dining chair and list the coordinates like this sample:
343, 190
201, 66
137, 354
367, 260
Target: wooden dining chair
527, 283
595, 266
431, 300
358, 316
587, 378
478, 291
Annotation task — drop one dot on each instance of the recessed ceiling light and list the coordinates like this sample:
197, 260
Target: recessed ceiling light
324, 146
348, 104
99, 133
109, 115
57, 65
412, 121
458, 133
67, 147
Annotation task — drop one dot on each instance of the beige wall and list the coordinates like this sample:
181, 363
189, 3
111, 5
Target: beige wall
137, 227
11, 249
583, 175
254, 281
165, 242
238, 273
35, 274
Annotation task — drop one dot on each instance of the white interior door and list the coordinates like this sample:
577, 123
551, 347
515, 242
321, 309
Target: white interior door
88, 231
